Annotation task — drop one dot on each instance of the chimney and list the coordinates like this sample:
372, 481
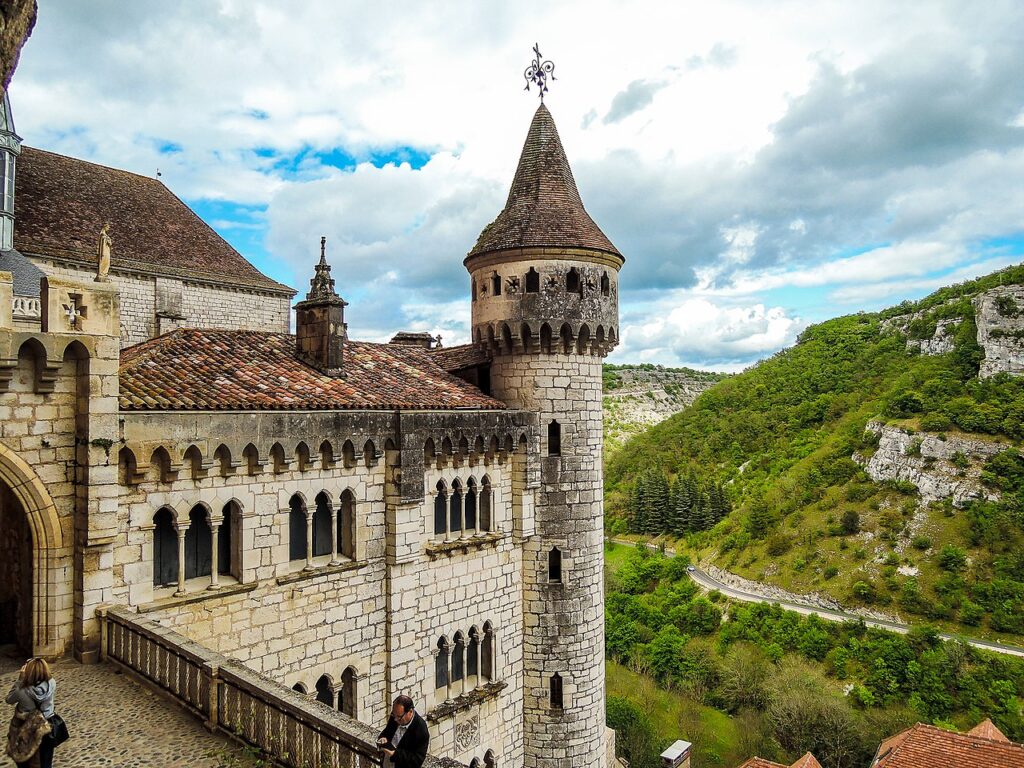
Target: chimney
320, 330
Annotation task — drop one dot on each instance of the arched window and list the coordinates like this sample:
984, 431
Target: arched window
194, 460
490, 761
487, 653
198, 544
555, 565
347, 694
470, 505
606, 284
326, 455
486, 516
555, 686
455, 503
322, 526
572, 281
473, 654
441, 664
369, 453
325, 691
278, 459
459, 658
296, 529
347, 525
545, 338
222, 457
300, 688
496, 284
554, 439
441, 510
302, 457
165, 549
228, 551
532, 281
474, 763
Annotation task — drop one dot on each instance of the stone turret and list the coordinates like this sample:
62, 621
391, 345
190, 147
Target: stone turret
320, 329
544, 288
10, 148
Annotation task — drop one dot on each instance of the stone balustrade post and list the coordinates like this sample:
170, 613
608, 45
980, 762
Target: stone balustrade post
181, 561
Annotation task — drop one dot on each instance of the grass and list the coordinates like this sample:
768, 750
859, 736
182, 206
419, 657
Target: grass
716, 739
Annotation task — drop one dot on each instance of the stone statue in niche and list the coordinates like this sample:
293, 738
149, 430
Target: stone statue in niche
103, 249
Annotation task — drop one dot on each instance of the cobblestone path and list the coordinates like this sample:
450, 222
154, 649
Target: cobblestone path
118, 723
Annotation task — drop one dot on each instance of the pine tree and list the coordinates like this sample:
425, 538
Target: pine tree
638, 503
658, 495
682, 510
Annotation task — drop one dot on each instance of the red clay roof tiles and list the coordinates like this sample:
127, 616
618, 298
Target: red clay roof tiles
191, 370
458, 358
62, 202
544, 207
925, 746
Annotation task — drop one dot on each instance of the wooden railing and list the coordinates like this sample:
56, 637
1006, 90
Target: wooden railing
283, 724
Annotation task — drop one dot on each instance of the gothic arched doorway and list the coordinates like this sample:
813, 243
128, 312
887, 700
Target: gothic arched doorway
34, 565
15, 574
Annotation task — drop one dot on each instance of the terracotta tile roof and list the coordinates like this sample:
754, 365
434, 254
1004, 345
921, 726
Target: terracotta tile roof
925, 746
459, 358
61, 203
807, 761
192, 370
986, 729
544, 207
760, 762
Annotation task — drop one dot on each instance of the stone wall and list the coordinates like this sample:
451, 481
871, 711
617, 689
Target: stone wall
564, 620
153, 305
380, 613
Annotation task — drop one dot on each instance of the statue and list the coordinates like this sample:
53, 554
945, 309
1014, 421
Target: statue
103, 252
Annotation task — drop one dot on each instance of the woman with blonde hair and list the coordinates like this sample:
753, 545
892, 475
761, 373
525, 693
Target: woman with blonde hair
28, 737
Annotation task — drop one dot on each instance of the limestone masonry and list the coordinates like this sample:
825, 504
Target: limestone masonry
352, 520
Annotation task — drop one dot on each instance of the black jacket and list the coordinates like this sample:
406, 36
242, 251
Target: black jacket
412, 749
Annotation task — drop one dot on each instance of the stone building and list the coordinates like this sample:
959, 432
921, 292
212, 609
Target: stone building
353, 520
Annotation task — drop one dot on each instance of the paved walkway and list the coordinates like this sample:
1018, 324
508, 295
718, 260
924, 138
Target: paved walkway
116, 722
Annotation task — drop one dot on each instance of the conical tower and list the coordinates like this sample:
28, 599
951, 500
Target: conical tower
544, 287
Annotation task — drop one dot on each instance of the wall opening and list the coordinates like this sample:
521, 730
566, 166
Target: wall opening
296, 529
532, 281
496, 284
555, 565
572, 281
15, 573
165, 549
322, 526
554, 439
555, 690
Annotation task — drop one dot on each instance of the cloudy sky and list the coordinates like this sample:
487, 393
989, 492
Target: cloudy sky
762, 165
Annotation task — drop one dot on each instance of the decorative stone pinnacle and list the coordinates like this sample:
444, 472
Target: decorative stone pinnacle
322, 284
538, 72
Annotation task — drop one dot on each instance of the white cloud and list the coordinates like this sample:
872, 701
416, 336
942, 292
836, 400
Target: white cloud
699, 332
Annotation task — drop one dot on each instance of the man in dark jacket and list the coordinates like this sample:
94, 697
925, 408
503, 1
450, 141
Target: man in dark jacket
405, 738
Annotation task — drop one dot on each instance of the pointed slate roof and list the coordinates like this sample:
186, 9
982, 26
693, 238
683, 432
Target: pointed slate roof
544, 207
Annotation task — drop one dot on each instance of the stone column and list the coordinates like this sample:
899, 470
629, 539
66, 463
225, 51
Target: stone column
214, 541
334, 533
309, 541
181, 561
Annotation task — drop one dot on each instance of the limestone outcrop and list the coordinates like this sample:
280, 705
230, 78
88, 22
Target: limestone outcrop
999, 314
940, 467
17, 17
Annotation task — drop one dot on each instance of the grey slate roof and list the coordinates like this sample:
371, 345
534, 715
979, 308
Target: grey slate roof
544, 208
26, 274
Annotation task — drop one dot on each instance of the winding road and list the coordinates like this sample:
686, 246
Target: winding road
709, 583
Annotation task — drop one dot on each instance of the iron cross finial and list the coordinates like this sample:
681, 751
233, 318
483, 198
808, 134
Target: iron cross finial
538, 72
323, 249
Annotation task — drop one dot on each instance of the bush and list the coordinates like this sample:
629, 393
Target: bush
778, 544
922, 543
952, 558
864, 591
935, 422
851, 521
831, 572
971, 613
903, 404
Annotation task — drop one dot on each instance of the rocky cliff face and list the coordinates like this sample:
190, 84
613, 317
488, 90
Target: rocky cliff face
644, 396
939, 468
999, 314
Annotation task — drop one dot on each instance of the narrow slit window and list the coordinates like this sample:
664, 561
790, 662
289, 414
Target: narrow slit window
556, 691
496, 284
555, 565
606, 284
554, 439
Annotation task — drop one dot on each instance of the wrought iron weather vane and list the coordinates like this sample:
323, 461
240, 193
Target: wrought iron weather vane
538, 72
